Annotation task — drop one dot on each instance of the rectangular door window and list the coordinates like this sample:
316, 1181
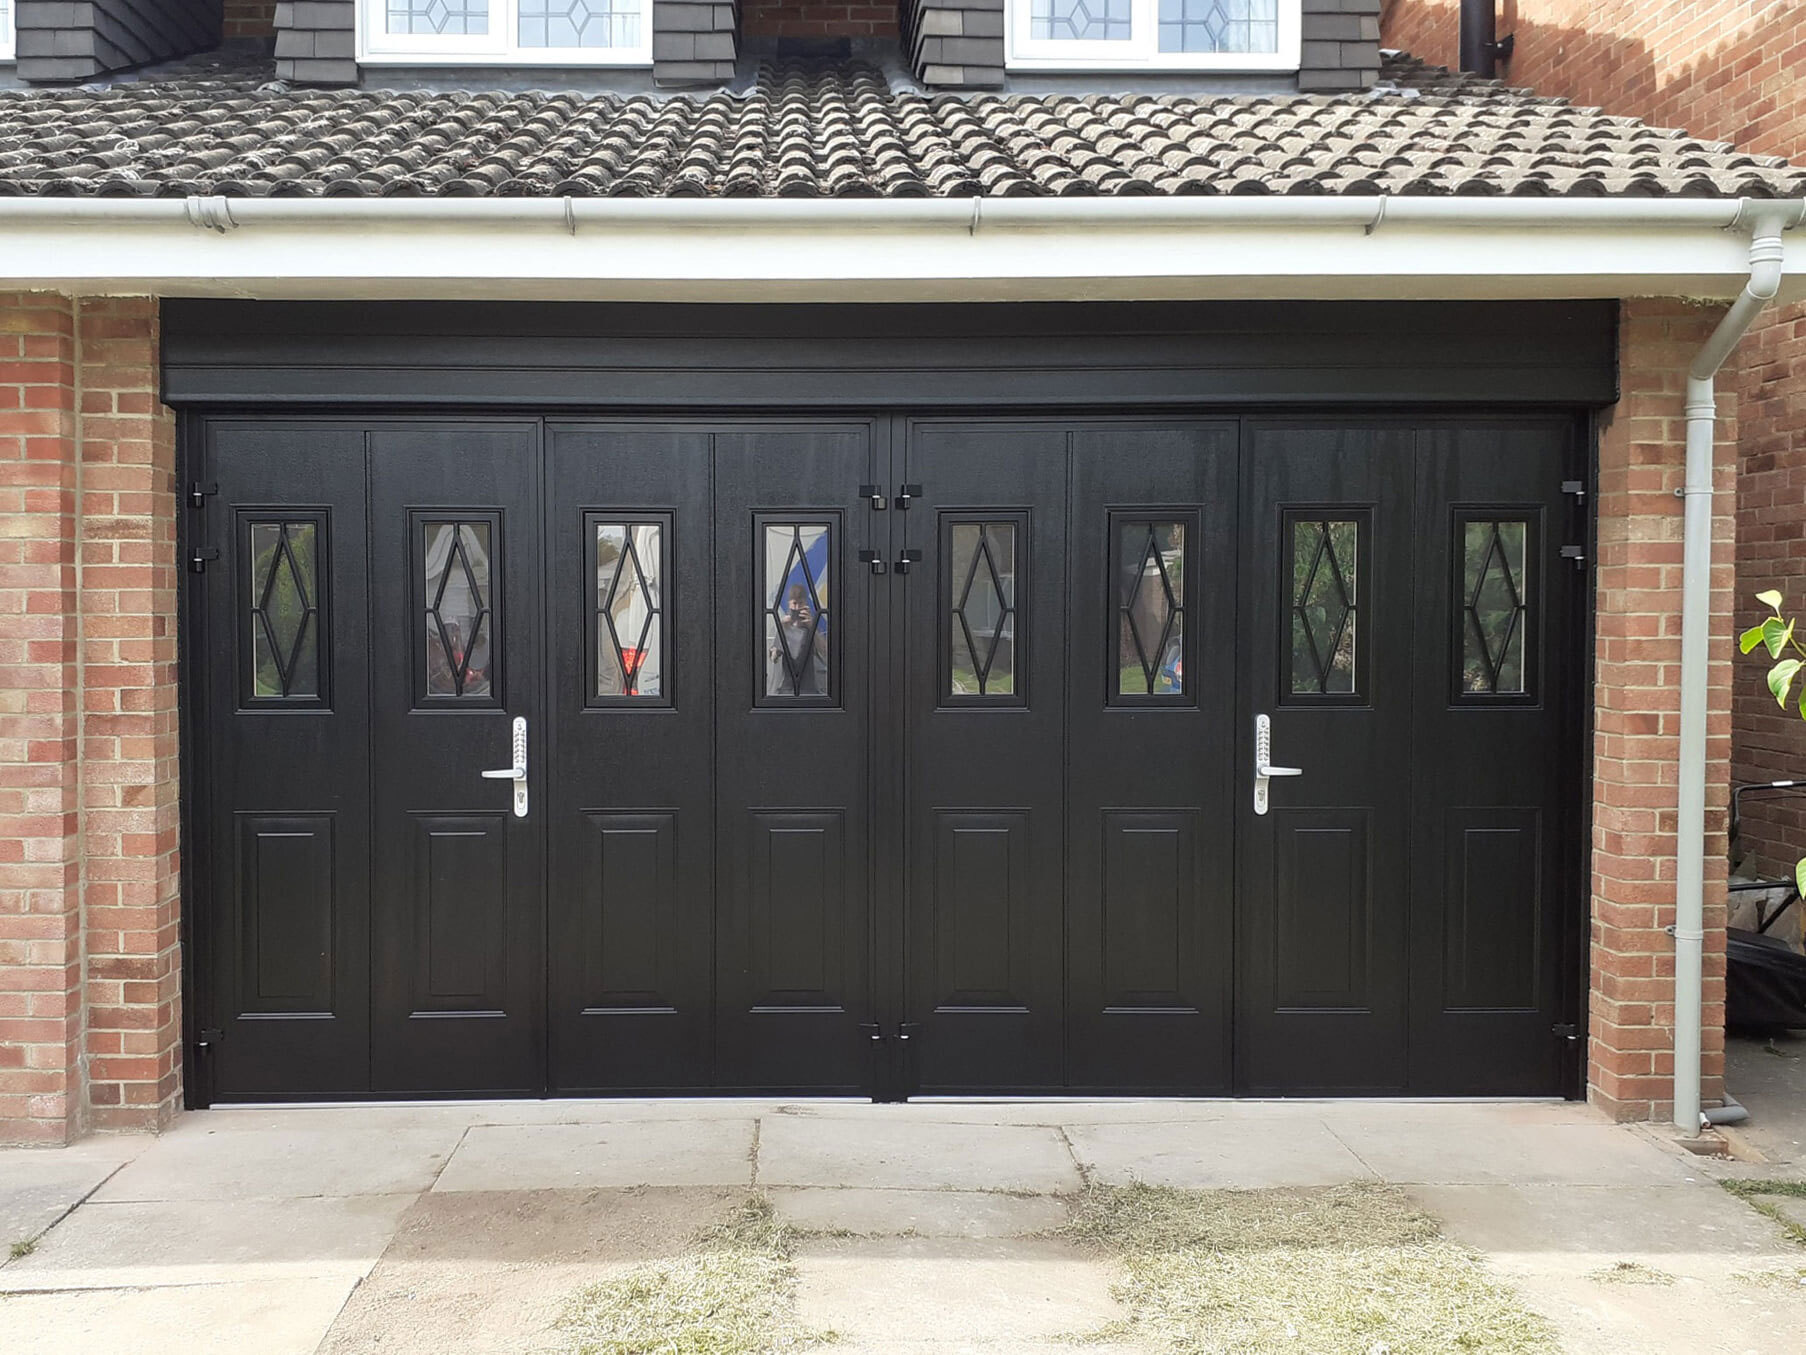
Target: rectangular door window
630, 612
1494, 619
981, 611
459, 613
1148, 659
797, 659
286, 611
1325, 581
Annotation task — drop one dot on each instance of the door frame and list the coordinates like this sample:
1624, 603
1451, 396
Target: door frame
199, 895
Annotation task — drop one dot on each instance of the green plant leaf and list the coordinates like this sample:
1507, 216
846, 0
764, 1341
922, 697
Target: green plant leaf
1775, 634
1780, 679
1799, 875
1771, 598
1751, 638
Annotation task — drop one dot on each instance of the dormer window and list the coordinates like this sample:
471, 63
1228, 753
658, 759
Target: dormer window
504, 32
1155, 35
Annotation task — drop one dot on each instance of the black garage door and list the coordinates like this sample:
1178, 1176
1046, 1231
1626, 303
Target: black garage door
883, 756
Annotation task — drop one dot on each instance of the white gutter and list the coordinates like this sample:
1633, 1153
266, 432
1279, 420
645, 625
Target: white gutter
1768, 258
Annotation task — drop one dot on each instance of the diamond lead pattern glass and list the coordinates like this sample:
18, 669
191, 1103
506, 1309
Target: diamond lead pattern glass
1150, 597
285, 629
1080, 20
579, 23
460, 614
1219, 25
1323, 606
796, 609
982, 618
1493, 608
440, 18
630, 609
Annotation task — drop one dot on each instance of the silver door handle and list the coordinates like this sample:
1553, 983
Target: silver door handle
518, 772
1264, 770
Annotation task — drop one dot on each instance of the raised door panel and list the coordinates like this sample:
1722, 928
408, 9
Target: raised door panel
1324, 912
461, 892
285, 892
797, 897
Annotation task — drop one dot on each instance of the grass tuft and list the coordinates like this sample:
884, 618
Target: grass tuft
22, 1248
1346, 1271
1630, 1272
733, 1292
1753, 1192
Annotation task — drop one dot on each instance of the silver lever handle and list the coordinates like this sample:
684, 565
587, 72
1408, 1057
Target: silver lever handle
518, 772
1264, 770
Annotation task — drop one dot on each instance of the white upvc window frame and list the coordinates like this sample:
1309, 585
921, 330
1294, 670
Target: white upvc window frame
9, 22
1142, 49
376, 46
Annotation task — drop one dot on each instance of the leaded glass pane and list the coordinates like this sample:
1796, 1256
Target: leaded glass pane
1080, 20
1219, 25
460, 613
629, 609
1323, 606
982, 608
797, 556
1493, 608
285, 629
1150, 604
579, 23
439, 18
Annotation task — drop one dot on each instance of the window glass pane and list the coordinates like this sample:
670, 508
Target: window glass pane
1323, 606
1492, 618
796, 608
1150, 606
579, 23
1219, 25
982, 608
629, 609
285, 616
439, 18
1079, 20
460, 616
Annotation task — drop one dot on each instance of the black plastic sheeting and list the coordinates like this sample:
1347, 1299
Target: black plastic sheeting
1765, 983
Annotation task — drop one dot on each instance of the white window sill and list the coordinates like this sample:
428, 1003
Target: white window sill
569, 57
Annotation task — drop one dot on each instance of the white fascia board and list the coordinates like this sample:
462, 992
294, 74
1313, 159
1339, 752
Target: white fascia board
934, 249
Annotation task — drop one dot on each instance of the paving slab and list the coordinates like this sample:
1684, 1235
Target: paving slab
168, 1242
1432, 1152
268, 1317
951, 1293
1768, 1077
40, 1185
489, 1273
894, 1153
1218, 1154
1691, 1316
925, 1213
196, 1161
1695, 1229
669, 1152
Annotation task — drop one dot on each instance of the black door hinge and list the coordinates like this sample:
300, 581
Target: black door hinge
1577, 554
1565, 1030
905, 493
197, 563
870, 557
907, 558
1577, 488
875, 494
198, 492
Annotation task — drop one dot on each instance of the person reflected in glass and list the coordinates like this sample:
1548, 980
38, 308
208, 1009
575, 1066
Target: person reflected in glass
797, 658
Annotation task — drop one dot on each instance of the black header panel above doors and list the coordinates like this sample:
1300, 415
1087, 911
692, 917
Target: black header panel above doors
1043, 355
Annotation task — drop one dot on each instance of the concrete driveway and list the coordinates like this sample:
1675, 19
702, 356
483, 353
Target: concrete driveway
427, 1229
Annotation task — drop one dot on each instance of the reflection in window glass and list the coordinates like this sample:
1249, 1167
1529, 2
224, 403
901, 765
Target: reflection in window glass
1150, 607
630, 608
982, 620
1219, 25
1492, 615
1323, 606
796, 609
579, 23
439, 18
1080, 20
460, 619
285, 629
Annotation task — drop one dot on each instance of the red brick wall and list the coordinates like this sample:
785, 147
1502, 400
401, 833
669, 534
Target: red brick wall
1642, 456
817, 19
249, 19
1732, 70
89, 962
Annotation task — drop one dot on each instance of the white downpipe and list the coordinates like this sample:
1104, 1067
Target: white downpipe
1767, 222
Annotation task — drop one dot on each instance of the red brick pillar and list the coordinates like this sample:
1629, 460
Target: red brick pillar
89, 961
1642, 453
